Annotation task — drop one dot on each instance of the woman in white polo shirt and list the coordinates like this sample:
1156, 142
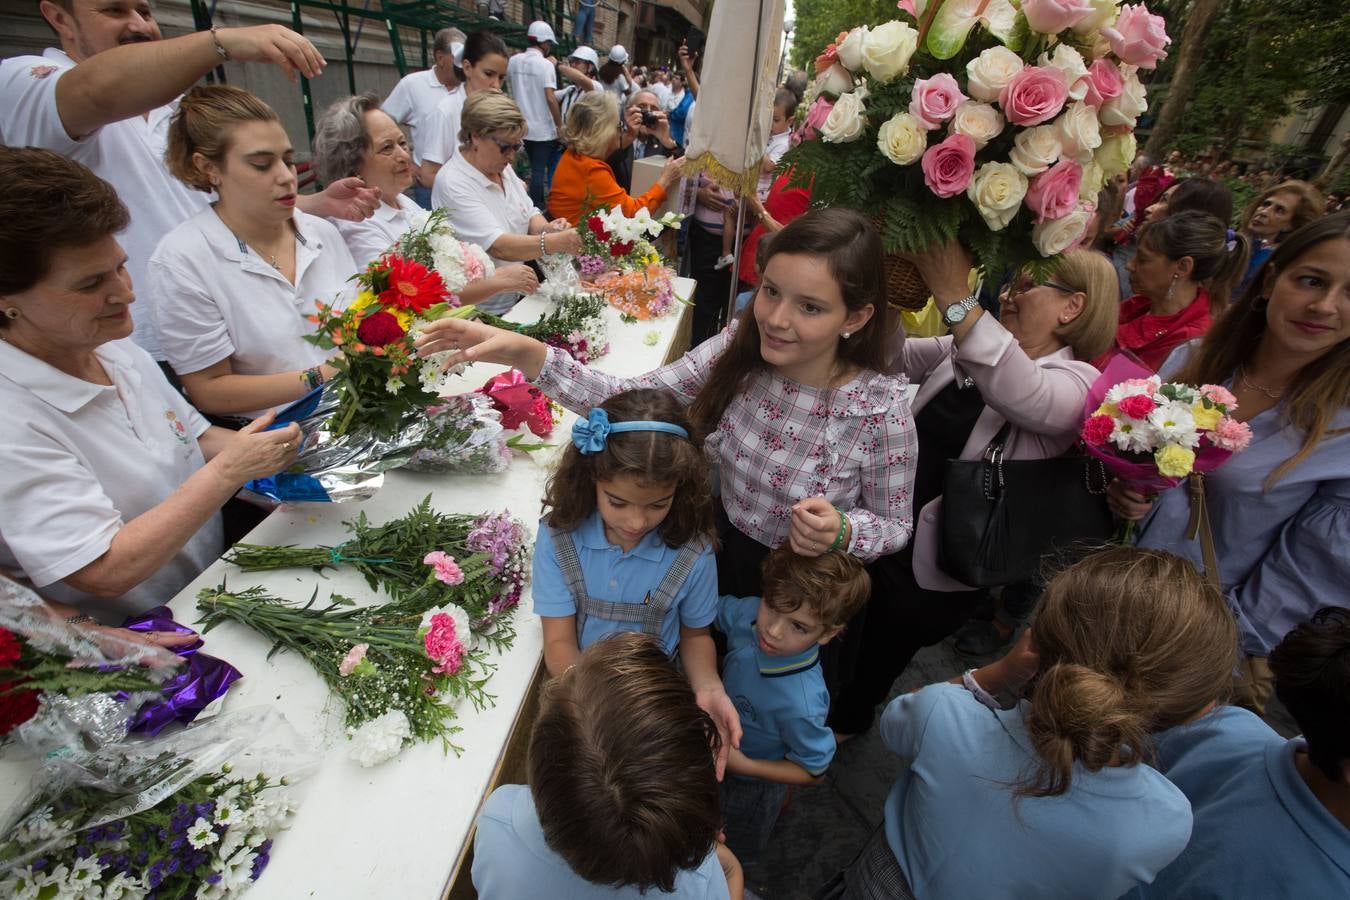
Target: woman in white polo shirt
355, 137
486, 201
235, 283
110, 481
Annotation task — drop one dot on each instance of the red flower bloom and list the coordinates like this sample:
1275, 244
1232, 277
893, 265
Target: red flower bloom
380, 328
621, 249
16, 707
411, 285
1137, 406
597, 226
10, 649
1097, 430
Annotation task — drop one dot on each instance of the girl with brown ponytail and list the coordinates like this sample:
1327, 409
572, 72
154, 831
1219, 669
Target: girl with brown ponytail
1055, 797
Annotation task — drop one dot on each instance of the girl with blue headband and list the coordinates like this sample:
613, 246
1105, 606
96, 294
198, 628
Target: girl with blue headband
626, 542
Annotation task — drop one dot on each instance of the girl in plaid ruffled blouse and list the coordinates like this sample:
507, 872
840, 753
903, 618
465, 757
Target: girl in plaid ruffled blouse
813, 444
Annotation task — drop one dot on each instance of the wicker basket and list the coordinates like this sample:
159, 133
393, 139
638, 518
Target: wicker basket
905, 287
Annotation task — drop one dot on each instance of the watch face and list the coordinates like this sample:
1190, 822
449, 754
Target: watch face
956, 313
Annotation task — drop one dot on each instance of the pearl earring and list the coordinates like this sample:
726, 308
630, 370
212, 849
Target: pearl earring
846, 335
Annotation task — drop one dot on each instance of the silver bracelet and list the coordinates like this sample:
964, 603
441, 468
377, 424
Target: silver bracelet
220, 48
980, 694
79, 619
542, 250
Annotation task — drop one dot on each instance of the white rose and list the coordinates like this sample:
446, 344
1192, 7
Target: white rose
887, 48
850, 49
845, 122
1116, 153
834, 80
1036, 149
1092, 182
990, 71
1070, 62
1103, 13
997, 191
978, 121
1131, 103
902, 139
1057, 235
1079, 131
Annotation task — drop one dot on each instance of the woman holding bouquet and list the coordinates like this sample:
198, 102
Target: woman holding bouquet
236, 281
110, 481
1280, 509
1027, 371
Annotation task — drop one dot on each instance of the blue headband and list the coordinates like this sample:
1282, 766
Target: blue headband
589, 435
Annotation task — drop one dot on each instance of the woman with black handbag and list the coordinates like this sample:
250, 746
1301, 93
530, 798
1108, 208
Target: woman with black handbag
1019, 381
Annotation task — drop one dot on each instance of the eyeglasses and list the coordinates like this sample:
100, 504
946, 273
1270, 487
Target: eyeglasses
1026, 283
507, 148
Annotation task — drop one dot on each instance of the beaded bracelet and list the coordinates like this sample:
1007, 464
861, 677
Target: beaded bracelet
843, 525
542, 250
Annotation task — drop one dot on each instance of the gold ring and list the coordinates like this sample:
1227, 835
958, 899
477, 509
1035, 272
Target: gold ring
285, 445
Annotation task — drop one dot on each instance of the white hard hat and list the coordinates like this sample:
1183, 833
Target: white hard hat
587, 54
618, 54
541, 33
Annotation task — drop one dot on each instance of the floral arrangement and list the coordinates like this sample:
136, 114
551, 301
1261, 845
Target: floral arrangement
994, 121
640, 294
169, 819
375, 335
486, 571
432, 242
464, 434
521, 403
1152, 434
576, 324
617, 259
398, 666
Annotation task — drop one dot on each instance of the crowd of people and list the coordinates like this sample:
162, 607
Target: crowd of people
740, 552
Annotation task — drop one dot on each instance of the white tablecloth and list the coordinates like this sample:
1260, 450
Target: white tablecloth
395, 830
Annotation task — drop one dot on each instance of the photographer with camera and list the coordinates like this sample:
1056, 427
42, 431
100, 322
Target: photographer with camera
644, 131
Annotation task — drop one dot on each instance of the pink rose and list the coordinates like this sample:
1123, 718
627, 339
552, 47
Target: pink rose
935, 100
447, 570
1054, 193
1137, 406
1034, 95
1231, 435
1053, 16
352, 659
1217, 393
1097, 430
1104, 82
815, 118
910, 7
948, 166
1138, 37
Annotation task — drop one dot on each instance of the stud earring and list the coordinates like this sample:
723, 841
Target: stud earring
846, 335
12, 313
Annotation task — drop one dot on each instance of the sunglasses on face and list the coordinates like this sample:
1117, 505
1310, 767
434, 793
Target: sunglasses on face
508, 148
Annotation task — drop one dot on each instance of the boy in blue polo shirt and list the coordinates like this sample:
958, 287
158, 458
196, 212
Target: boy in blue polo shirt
772, 674
1272, 816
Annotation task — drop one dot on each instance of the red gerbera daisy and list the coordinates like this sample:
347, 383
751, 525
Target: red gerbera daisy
411, 285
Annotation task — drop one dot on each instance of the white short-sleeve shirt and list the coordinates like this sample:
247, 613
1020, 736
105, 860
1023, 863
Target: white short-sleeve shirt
441, 131
480, 212
368, 239
777, 146
411, 103
128, 154
80, 460
219, 300
529, 74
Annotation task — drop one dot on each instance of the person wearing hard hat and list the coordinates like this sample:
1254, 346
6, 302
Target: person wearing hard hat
582, 69
534, 85
614, 74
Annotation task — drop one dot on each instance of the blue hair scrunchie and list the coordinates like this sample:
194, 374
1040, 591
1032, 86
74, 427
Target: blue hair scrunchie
591, 434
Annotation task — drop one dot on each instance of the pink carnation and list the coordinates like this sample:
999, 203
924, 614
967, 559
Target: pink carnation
1034, 95
1097, 430
934, 100
447, 570
948, 166
1137, 406
1138, 37
443, 646
1104, 82
1147, 385
1230, 434
1217, 393
352, 659
1054, 193
1053, 16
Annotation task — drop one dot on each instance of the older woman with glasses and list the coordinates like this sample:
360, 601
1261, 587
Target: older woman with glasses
486, 201
1027, 370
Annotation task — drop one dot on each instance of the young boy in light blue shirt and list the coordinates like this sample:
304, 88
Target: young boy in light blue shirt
623, 798
772, 674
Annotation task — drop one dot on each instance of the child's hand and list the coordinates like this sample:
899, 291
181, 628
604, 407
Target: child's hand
715, 702
815, 526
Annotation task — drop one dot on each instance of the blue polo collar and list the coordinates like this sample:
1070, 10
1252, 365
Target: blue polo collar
591, 535
782, 666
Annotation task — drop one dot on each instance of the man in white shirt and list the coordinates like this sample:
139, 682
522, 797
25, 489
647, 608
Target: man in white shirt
413, 100
533, 81
105, 99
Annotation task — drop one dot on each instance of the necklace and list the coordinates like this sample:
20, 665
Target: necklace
1251, 385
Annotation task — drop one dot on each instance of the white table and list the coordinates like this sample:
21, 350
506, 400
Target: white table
398, 829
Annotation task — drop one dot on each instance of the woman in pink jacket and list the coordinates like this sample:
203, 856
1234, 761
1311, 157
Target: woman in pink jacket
1027, 369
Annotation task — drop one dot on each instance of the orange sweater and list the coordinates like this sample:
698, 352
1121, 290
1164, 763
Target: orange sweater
582, 183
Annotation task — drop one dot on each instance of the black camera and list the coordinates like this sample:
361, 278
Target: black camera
648, 119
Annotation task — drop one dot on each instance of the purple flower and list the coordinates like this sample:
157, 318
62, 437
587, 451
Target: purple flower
213, 878
174, 865
40, 863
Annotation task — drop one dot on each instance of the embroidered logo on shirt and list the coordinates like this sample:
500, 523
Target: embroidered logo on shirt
39, 72
176, 426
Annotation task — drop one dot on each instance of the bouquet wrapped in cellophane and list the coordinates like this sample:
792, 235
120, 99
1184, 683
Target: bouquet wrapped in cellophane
190, 815
619, 260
